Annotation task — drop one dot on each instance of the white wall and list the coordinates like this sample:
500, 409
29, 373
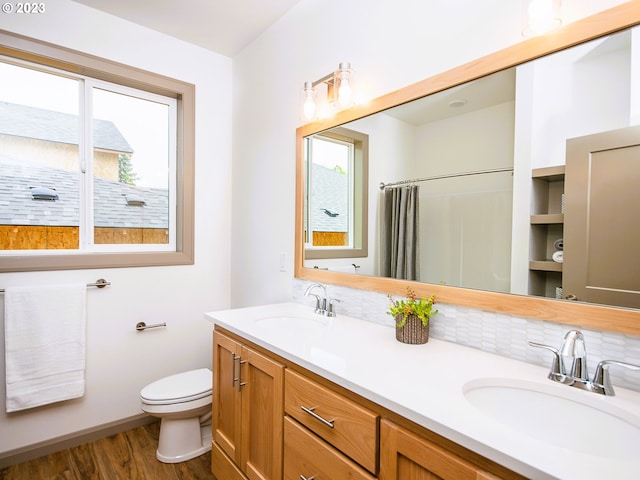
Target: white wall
390, 45
561, 83
120, 361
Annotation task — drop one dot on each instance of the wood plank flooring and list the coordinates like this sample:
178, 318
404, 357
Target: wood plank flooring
129, 455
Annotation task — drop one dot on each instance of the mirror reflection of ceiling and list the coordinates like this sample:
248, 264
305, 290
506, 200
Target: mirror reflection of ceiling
486, 92
493, 89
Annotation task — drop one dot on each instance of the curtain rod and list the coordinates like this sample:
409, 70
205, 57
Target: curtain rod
448, 175
100, 283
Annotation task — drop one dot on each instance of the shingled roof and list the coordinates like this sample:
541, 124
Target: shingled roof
110, 205
329, 199
47, 125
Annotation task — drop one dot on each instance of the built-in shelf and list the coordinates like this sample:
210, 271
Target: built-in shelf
547, 219
545, 266
549, 174
547, 225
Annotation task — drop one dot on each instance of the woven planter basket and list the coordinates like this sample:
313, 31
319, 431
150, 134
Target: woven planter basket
412, 332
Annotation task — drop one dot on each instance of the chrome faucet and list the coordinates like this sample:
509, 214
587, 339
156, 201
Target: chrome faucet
574, 355
569, 365
324, 305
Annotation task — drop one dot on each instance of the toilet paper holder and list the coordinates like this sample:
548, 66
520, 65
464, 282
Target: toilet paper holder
141, 326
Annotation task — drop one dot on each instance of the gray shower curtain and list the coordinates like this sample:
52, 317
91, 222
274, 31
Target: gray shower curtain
399, 233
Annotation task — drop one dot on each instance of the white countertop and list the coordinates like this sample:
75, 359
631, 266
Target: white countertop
425, 383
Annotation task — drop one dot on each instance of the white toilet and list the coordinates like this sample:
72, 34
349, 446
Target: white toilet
183, 403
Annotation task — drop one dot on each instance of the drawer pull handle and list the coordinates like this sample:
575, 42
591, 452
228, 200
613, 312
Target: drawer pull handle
310, 411
302, 477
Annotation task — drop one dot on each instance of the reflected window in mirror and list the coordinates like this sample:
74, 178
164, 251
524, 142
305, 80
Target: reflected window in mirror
335, 223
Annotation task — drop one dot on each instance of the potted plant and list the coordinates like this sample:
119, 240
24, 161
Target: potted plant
412, 317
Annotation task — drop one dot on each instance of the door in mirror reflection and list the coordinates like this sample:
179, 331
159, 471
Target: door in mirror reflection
602, 234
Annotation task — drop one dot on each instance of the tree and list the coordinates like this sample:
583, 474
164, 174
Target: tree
125, 170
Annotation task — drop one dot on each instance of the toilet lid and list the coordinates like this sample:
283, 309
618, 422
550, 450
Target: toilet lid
182, 387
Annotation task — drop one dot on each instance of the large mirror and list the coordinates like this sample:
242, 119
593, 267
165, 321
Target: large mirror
487, 152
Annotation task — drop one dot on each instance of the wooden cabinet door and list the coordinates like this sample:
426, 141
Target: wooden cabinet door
262, 384
226, 396
406, 456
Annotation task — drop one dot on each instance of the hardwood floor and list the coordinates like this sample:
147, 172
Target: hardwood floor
129, 455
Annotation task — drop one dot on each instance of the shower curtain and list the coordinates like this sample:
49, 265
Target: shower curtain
399, 233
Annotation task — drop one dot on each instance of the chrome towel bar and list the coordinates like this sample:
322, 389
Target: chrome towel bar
100, 283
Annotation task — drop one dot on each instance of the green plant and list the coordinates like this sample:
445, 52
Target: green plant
420, 307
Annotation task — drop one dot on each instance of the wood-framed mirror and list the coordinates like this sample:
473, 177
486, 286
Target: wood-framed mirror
625, 320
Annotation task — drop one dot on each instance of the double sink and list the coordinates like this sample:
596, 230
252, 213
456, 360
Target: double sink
504, 409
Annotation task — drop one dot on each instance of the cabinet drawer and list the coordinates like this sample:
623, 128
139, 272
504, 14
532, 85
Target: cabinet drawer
350, 428
305, 454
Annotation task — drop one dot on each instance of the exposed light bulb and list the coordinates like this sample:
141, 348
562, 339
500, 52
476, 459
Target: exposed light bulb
540, 8
309, 106
345, 92
542, 16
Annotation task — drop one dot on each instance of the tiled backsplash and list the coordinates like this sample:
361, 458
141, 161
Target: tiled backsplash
497, 333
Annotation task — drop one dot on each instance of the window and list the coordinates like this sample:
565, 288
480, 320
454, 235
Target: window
96, 163
336, 199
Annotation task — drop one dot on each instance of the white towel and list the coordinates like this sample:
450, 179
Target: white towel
45, 337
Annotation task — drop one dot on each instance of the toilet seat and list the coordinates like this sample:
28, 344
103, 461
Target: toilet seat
179, 388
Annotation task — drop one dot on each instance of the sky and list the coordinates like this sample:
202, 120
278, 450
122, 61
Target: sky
330, 154
143, 123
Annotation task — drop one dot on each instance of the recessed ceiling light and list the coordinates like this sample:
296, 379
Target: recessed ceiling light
457, 103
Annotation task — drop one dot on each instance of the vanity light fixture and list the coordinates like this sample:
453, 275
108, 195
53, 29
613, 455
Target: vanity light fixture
542, 16
337, 88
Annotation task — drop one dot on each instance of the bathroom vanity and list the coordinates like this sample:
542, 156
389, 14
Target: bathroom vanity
298, 395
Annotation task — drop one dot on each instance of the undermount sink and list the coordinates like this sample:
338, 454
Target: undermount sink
573, 420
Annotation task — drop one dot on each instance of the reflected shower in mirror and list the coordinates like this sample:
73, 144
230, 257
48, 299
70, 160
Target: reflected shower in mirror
399, 232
